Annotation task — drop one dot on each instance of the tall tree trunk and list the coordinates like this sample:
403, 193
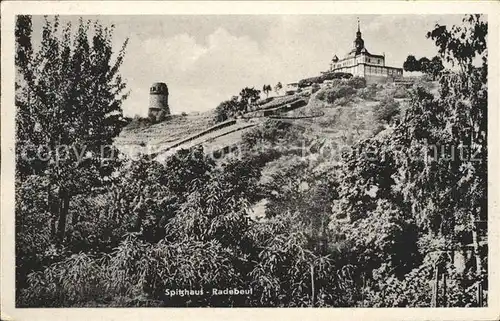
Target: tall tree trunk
312, 286
63, 213
475, 244
445, 303
52, 210
477, 256
435, 292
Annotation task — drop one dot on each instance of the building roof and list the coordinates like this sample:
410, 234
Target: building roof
355, 51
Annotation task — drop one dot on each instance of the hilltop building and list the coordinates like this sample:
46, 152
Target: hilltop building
158, 102
359, 62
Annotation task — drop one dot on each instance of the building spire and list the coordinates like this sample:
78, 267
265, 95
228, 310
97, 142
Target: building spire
358, 25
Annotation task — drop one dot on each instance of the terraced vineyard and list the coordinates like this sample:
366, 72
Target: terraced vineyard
164, 133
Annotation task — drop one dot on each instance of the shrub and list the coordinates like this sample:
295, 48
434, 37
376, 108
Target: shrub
368, 93
320, 79
387, 110
315, 88
343, 101
378, 129
336, 75
309, 81
337, 82
332, 94
357, 82
321, 95
401, 92
139, 122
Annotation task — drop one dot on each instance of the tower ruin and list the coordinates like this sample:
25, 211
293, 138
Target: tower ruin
158, 102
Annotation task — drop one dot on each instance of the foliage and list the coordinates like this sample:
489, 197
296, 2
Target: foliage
377, 228
331, 95
237, 105
320, 79
226, 110
432, 67
356, 82
278, 87
387, 110
267, 89
68, 104
411, 64
401, 92
369, 92
139, 122
464, 43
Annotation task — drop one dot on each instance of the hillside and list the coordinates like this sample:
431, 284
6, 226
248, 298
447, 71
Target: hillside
338, 112
139, 135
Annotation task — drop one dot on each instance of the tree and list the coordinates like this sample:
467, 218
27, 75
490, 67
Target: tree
267, 89
463, 43
278, 88
386, 110
248, 96
411, 64
423, 64
431, 67
435, 67
68, 100
465, 95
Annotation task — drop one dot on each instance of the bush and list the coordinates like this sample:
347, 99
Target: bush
315, 88
368, 93
320, 79
337, 82
309, 81
139, 122
332, 94
336, 75
357, 82
321, 95
401, 92
380, 128
343, 101
341, 92
387, 110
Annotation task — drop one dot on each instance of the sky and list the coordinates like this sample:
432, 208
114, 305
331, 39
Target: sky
206, 59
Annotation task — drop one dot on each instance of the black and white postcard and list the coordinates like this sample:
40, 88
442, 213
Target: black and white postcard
333, 159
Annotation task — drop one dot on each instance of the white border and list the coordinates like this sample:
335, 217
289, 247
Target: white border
10, 8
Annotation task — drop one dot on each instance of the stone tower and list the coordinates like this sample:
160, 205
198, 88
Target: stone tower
158, 102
